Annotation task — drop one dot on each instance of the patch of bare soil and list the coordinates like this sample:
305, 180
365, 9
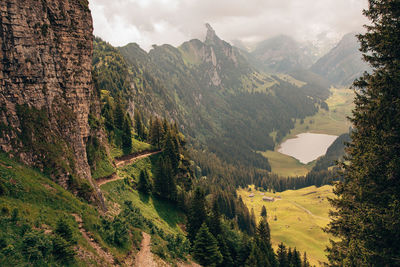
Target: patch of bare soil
145, 258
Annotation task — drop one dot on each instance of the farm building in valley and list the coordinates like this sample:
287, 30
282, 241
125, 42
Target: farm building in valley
268, 199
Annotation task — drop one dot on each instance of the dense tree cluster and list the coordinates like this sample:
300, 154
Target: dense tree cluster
217, 241
229, 177
286, 257
118, 124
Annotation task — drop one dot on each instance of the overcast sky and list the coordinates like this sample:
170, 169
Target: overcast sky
149, 22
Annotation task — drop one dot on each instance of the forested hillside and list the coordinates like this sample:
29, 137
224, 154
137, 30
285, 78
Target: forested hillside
221, 101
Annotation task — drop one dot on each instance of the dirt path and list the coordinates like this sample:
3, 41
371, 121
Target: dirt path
100, 251
111, 178
123, 161
188, 264
128, 159
308, 211
145, 258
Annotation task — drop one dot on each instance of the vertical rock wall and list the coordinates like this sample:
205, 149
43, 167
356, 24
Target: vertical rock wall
46, 86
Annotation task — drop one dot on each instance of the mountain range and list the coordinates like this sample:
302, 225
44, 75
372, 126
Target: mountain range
216, 94
76, 112
228, 99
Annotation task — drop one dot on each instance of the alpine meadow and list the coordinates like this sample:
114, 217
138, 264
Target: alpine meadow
200, 133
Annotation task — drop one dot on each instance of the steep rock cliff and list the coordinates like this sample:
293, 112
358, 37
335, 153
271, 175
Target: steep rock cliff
46, 89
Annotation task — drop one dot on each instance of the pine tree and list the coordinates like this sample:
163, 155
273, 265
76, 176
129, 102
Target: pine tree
282, 256
126, 136
255, 258
171, 152
263, 241
119, 117
64, 230
215, 220
252, 222
226, 255
289, 256
165, 184
108, 115
305, 260
144, 184
263, 212
205, 248
244, 251
156, 132
165, 125
296, 258
170, 190
366, 219
197, 213
139, 127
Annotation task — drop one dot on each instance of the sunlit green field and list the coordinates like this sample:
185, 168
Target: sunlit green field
334, 121
297, 219
285, 165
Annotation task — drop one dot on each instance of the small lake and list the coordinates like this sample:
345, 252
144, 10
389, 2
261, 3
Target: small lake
307, 147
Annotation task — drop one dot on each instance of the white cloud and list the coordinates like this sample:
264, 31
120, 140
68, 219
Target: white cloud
148, 22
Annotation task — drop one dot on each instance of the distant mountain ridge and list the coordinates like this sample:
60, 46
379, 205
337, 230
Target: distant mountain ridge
342, 64
283, 54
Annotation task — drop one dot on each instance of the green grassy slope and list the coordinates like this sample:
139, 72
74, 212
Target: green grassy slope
166, 216
40, 203
31, 204
285, 165
300, 217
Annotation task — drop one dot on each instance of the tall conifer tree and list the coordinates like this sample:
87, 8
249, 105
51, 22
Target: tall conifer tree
126, 136
366, 218
205, 248
197, 213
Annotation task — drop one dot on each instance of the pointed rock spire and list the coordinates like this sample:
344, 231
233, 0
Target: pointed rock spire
211, 37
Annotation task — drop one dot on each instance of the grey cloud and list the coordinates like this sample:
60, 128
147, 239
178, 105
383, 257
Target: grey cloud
150, 22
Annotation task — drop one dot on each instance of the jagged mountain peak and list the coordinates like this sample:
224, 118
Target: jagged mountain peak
211, 36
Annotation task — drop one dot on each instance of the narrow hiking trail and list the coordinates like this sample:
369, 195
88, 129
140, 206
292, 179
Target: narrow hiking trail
308, 211
108, 179
144, 258
128, 159
123, 161
108, 258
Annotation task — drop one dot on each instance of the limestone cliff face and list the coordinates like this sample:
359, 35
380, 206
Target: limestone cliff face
46, 90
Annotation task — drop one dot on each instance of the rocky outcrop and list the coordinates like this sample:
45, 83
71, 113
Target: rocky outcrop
217, 59
46, 90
